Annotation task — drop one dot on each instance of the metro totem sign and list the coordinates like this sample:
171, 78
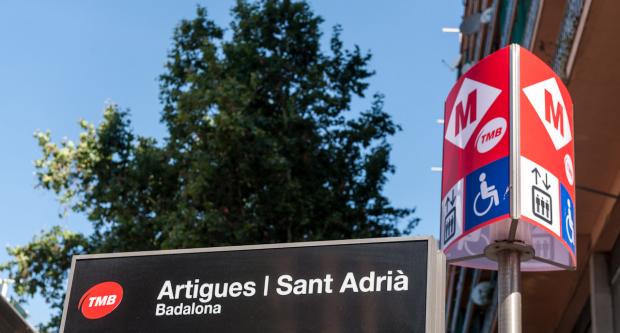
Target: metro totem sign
508, 163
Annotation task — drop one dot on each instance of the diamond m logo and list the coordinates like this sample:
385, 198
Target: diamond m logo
471, 104
547, 100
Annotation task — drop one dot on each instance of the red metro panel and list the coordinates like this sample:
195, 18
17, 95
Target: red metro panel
547, 129
547, 156
481, 95
476, 146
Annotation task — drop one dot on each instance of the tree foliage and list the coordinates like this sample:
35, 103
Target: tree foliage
262, 146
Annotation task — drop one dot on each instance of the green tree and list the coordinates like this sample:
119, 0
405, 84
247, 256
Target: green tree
262, 147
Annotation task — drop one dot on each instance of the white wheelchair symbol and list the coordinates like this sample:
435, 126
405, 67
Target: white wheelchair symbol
486, 192
570, 224
473, 239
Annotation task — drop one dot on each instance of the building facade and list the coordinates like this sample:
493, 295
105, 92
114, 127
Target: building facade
579, 40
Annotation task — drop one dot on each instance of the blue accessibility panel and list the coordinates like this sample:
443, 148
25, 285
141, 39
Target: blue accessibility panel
486, 193
569, 228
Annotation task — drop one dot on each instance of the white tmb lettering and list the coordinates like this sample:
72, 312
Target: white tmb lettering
101, 300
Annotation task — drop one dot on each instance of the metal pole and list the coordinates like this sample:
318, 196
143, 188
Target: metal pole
508, 283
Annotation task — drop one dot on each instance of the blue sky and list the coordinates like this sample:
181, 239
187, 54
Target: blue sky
62, 60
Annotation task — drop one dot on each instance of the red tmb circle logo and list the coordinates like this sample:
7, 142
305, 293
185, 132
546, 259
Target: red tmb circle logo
100, 300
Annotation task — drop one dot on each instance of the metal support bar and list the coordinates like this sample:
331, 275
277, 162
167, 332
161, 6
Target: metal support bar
457, 301
490, 317
470, 304
508, 283
601, 303
450, 292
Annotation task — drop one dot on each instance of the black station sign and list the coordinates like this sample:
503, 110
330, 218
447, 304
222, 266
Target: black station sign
370, 285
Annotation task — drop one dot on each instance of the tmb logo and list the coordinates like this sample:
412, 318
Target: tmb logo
100, 300
547, 100
471, 104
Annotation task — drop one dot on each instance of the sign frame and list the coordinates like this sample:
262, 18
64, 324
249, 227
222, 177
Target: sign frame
435, 272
